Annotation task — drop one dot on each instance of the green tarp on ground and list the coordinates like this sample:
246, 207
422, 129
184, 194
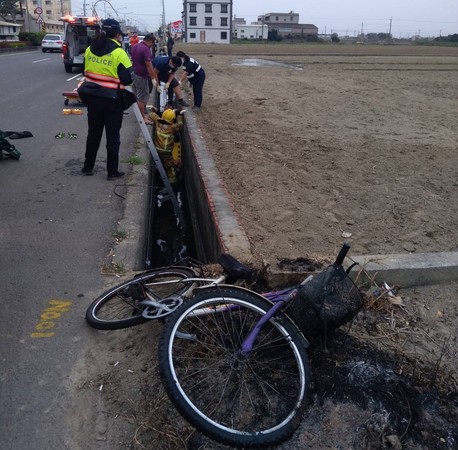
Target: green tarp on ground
7, 149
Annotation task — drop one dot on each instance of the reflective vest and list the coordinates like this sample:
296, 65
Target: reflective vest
103, 70
164, 136
192, 67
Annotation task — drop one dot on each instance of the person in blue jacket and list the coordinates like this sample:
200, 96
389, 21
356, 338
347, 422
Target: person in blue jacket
164, 68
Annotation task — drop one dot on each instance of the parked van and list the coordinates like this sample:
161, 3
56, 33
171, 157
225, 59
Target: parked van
78, 34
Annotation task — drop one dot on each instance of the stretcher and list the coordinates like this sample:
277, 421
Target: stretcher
72, 96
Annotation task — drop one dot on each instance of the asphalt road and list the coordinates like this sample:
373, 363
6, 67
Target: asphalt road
55, 231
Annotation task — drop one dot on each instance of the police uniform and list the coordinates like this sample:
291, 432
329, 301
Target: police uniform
107, 70
196, 77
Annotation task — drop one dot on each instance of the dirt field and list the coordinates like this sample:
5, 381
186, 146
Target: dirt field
315, 145
315, 142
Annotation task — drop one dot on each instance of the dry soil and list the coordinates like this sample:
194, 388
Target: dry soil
313, 142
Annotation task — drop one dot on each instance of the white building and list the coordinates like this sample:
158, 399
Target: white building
49, 18
51, 9
9, 31
251, 32
279, 18
208, 21
287, 25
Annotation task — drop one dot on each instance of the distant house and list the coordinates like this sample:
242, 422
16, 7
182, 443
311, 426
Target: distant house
287, 24
9, 31
251, 32
208, 21
279, 18
237, 21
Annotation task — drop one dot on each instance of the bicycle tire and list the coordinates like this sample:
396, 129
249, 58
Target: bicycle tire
116, 308
252, 401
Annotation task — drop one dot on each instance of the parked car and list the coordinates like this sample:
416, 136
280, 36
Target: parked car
52, 42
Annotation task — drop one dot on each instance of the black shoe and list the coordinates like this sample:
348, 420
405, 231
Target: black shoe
183, 102
87, 172
114, 175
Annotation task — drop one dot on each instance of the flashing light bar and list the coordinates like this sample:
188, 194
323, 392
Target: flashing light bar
80, 20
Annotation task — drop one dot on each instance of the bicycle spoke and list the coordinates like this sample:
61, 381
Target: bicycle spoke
122, 306
223, 389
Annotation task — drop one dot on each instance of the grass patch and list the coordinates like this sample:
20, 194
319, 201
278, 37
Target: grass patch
113, 268
135, 160
120, 235
117, 268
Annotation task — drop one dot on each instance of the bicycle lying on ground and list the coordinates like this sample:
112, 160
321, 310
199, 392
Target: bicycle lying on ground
233, 362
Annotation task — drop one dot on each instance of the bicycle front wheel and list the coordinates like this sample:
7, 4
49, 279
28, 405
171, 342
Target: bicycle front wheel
249, 400
122, 307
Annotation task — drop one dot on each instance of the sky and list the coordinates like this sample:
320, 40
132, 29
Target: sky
407, 18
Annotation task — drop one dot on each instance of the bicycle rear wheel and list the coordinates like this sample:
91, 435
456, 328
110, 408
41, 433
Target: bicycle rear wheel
248, 401
121, 307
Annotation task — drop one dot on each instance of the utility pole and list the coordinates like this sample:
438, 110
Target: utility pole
163, 16
27, 14
84, 8
391, 21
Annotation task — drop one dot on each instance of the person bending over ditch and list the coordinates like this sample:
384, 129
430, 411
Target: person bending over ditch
195, 74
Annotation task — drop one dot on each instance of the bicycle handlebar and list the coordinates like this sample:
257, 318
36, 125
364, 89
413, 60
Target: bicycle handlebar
343, 252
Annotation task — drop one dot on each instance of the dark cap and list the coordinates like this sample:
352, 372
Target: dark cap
111, 27
176, 61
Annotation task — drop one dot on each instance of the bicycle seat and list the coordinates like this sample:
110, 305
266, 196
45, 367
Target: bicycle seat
234, 269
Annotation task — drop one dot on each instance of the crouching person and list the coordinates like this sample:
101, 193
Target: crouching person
166, 128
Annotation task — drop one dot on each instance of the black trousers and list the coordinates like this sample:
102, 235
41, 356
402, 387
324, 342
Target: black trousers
103, 114
197, 87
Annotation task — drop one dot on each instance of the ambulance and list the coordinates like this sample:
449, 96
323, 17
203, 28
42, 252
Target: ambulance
78, 34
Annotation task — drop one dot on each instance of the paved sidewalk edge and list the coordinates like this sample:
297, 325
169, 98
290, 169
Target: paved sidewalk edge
129, 252
411, 269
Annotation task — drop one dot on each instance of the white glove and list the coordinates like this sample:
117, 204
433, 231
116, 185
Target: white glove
159, 89
167, 85
181, 112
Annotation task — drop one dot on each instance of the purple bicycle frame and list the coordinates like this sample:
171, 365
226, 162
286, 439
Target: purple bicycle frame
280, 301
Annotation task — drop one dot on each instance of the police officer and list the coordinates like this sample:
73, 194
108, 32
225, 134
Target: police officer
107, 70
195, 74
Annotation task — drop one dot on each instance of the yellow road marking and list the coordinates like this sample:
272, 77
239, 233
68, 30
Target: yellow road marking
49, 317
